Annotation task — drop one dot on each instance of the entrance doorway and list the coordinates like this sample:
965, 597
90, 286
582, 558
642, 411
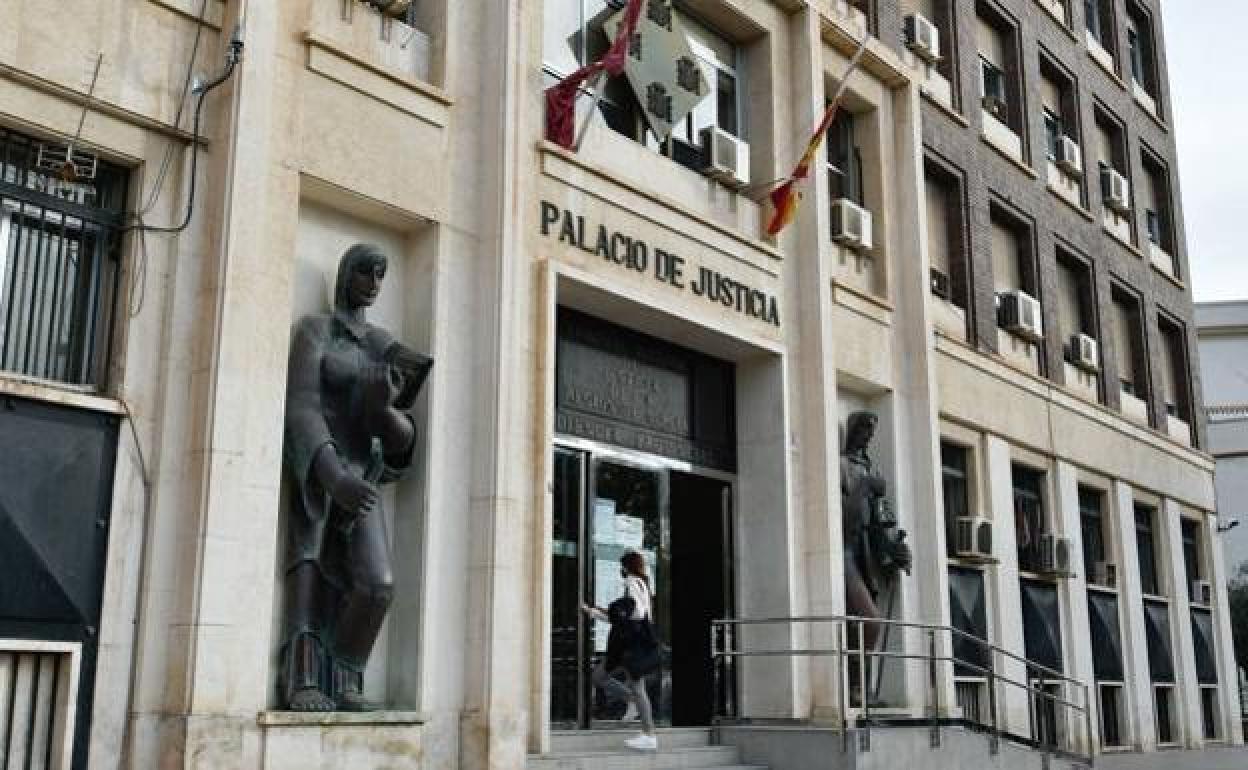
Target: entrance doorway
607, 502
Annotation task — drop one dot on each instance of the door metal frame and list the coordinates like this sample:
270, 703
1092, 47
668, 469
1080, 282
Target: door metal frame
591, 452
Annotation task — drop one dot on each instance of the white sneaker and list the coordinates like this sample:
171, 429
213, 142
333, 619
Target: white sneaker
630, 713
643, 742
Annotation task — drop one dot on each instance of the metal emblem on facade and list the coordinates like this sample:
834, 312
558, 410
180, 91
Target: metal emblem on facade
661, 67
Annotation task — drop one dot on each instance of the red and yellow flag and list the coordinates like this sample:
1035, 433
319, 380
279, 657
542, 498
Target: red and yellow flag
784, 199
561, 97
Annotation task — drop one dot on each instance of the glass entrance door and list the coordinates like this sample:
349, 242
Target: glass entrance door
605, 504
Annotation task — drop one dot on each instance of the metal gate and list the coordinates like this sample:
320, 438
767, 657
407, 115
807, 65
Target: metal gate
60, 212
56, 479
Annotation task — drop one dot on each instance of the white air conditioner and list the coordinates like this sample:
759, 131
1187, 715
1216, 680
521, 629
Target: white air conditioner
1105, 573
923, 38
1115, 190
973, 537
727, 157
1019, 313
851, 225
1084, 353
1054, 555
1202, 592
1069, 158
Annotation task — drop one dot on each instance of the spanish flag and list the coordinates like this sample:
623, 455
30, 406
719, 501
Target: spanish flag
784, 199
561, 97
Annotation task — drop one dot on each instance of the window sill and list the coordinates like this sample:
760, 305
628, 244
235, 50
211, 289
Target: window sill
1147, 102
1068, 189
1161, 262
862, 302
1058, 12
1077, 208
1082, 383
1199, 606
1100, 589
1122, 238
1155, 598
1134, 409
1105, 60
1009, 153
1018, 352
48, 391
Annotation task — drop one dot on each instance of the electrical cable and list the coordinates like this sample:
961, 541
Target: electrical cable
165, 162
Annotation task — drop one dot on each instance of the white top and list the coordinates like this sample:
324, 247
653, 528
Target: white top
636, 589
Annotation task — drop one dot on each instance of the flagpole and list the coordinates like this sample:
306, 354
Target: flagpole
599, 87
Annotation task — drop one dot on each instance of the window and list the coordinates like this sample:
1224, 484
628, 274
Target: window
1164, 702
1116, 193
1000, 84
946, 239
1111, 714
1141, 51
844, 159
1011, 263
1144, 546
1076, 305
574, 32
58, 263
1209, 712
1092, 528
1191, 551
1174, 377
1060, 105
940, 14
1159, 218
1029, 516
1128, 333
955, 482
1098, 16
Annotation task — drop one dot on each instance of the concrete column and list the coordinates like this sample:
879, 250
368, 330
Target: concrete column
816, 419
1140, 720
1186, 688
1005, 616
1231, 729
1076, 627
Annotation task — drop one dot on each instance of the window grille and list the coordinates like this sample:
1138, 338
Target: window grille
38, 701
58, 265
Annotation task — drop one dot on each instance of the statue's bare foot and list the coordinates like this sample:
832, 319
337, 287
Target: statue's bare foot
311, 699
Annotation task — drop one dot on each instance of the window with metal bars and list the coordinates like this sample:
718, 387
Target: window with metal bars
58, 261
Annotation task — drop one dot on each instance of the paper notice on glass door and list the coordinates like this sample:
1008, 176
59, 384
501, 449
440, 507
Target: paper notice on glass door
608, 586
630, 531
604, 520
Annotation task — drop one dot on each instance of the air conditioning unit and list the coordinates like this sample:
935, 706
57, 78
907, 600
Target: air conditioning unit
1054, 555
1202, 592
1019, 312
973, 537
923, 38
1115, 190
940, 284
1105, 573
1084, 353
727, 157
1068, 157
851, 225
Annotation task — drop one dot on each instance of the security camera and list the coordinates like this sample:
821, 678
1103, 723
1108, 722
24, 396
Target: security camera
1229, 525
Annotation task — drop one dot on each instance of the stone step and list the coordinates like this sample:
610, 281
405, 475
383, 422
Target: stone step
612, 739
717, 757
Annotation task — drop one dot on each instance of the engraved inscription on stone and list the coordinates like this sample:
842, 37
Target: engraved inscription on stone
619, 388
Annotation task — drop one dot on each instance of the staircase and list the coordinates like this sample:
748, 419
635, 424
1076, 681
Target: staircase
679, 747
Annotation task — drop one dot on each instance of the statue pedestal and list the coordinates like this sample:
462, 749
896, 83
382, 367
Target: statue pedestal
295, 740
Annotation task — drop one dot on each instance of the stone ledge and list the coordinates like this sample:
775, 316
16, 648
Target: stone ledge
340, 718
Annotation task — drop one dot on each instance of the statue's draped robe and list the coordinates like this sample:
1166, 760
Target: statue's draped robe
861, 484
328, 357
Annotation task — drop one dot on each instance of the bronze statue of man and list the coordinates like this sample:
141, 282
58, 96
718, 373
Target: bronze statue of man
349, 387
875, 550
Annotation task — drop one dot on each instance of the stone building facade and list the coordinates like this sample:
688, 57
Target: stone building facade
624, 359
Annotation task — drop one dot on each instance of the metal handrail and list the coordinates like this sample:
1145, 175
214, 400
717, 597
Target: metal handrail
904, 623
729, 652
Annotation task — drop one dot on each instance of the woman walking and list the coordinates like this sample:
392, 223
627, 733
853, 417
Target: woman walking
631, 647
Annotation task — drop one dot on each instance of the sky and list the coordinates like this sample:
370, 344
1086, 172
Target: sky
1208, 69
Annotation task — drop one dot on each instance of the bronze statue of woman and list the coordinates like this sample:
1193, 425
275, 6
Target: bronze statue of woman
349, 387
